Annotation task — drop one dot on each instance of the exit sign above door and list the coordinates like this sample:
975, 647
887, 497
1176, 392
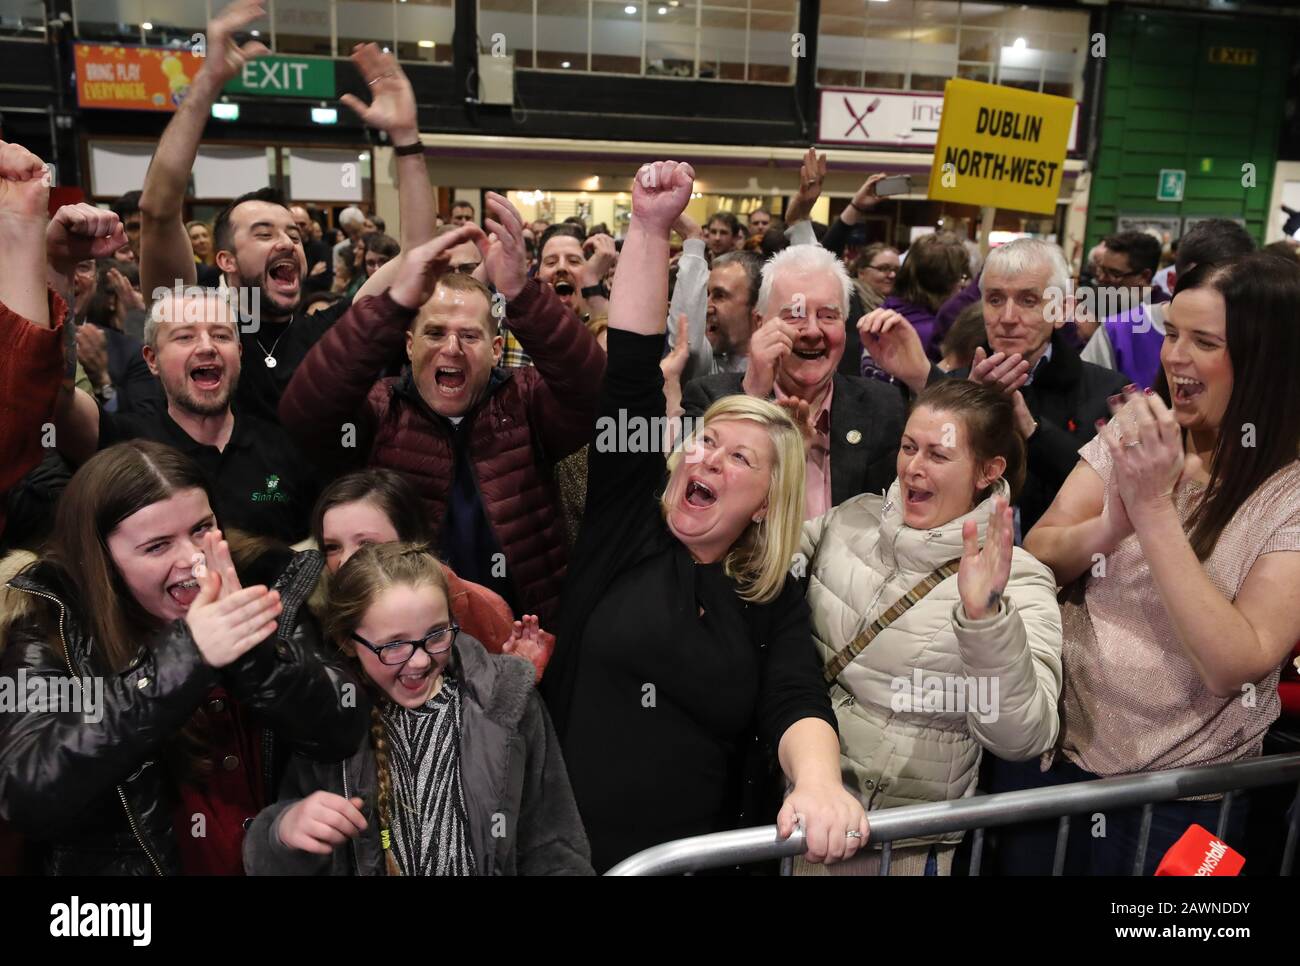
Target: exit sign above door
285, 77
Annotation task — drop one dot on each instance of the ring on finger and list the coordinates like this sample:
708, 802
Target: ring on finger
853, 834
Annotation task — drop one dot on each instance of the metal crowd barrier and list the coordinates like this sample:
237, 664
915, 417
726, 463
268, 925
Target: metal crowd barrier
1006, 808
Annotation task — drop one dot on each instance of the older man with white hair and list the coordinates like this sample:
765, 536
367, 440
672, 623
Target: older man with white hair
260, 481
1025, 288
855, 423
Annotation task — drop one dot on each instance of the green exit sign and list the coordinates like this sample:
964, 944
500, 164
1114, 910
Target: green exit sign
1172, 181
285, 77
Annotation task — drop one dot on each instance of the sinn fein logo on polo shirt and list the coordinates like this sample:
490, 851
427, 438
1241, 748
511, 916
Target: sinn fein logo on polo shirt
272, 493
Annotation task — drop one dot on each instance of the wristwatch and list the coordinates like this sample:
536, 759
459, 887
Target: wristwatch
415, 147
591, 291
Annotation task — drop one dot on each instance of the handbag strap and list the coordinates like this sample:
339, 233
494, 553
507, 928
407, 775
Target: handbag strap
900, 607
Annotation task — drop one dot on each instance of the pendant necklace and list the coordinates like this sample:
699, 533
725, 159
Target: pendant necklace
270, 356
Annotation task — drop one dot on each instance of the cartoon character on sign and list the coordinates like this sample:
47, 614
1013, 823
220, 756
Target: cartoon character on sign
176, 79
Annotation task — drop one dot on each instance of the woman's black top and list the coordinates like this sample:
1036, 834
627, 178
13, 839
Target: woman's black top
664, 683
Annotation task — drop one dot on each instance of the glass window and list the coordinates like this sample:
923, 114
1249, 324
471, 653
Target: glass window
723, 39
1020, 63
976, 72
22, 18
1065, 58
670, 39
171, 23
932, 12
424, 29
770, 56
840, 50
616, 32
934, 56
562, 35
303, 27
920, 44
978, 45
510, 21
363, 22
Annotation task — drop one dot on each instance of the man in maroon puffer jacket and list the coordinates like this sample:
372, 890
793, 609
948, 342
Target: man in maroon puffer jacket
477, 440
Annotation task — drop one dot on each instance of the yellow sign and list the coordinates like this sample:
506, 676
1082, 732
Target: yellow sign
1001, 146
1235, 56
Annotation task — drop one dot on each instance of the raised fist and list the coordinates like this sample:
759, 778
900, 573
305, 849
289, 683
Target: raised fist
660, 192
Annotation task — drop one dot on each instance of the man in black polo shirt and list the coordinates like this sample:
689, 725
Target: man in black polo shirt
258, 246
261, 482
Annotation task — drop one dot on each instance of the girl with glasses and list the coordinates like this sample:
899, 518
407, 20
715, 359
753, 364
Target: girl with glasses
461, 773
378, 505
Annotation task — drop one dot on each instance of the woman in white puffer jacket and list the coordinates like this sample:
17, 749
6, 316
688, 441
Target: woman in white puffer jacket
976, 663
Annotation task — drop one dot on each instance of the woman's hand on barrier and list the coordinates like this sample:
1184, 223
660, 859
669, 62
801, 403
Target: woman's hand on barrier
834, 822
983, 573
320, 822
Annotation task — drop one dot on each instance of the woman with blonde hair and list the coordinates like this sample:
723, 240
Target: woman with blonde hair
682, 640
461, 773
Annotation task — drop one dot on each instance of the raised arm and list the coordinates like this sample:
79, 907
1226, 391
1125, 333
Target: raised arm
691, 299
77, 233
859, 205
1077, 527
812, 172
165, 251
34, 352
392, 110
24, 194
565, 354
639, 303
1017, 647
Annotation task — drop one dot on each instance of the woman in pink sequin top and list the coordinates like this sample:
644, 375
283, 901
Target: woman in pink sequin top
1183, 521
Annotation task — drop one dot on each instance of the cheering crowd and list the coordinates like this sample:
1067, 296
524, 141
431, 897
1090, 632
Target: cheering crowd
339, 535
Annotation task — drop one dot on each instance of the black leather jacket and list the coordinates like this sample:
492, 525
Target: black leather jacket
95, 793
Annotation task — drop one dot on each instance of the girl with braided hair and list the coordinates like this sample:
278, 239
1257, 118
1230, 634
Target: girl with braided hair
461, 772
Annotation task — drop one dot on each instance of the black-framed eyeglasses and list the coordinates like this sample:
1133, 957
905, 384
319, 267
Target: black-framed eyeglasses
437, 641
884, 269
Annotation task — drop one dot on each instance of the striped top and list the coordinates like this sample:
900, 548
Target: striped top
430, 829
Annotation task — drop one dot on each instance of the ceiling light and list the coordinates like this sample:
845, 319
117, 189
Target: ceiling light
629, 9
146, 26
426, 43
225, 112
324, 115
564, 63
1020, 43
